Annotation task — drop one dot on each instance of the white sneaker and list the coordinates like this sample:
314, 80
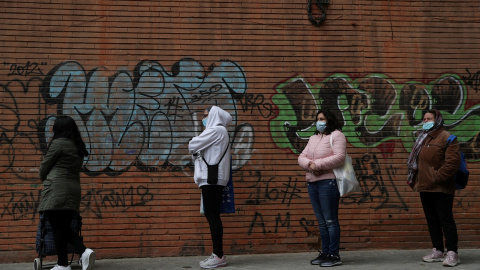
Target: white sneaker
87, 259
451, 259
434, 256
213, 262
59, 267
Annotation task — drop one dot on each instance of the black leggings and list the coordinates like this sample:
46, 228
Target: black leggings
60, 221
212, 198
438, 212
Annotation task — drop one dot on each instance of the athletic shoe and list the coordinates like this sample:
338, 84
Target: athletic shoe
331, 260
59, 267
434, 256
320, 258
88, 259
213, 262
451, 259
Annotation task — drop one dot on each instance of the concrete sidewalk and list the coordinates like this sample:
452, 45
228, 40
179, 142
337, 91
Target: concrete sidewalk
358, 260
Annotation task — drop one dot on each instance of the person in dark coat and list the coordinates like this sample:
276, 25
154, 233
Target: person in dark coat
431, 169
61, 194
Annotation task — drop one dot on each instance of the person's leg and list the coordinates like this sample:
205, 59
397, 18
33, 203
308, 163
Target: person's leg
429, 202
329, 202
212, 198
444, 205
314, 194
60, 223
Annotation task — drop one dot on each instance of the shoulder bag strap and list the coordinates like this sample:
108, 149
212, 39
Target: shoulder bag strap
228, 146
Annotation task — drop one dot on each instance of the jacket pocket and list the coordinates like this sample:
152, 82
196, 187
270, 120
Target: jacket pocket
436, 176
436, 146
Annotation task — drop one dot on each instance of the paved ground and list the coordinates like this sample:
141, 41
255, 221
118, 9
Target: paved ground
358, 260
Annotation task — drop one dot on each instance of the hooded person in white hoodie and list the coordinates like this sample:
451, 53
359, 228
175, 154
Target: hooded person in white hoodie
212, 147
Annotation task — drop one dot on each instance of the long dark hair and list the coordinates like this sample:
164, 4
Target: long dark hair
65, 127
332, 122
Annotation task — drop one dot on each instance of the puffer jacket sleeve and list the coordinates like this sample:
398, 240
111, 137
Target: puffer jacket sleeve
53, 153
339, 150
303, 159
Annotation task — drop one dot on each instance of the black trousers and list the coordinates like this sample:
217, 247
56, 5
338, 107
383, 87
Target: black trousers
60, 221
212, 198
438, 212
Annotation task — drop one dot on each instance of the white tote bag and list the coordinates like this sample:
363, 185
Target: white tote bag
346, 180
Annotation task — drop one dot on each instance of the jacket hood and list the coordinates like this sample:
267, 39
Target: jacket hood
218, 117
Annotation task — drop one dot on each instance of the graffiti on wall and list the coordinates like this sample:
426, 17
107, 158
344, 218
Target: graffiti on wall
376, 113
374, 181
147, 117
22, 205
268, 190
377, 189
24, 70
375, 110
142, 118
472, 80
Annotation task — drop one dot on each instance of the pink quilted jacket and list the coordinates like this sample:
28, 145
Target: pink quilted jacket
323, 155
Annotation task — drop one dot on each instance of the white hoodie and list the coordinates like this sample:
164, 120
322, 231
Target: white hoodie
211, 144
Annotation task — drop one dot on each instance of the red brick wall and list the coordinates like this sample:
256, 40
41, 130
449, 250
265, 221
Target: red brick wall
135, 74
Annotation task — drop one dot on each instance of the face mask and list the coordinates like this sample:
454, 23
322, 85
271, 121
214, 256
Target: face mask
321, 126
204, 121
427, 125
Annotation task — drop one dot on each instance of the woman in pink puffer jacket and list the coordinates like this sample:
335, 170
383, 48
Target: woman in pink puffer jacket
318, 159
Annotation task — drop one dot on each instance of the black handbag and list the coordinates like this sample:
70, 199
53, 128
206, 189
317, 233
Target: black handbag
212, 177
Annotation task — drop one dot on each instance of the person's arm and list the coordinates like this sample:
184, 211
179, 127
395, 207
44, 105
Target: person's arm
303, 160
451, 164
207, 138
53, 153
339, 153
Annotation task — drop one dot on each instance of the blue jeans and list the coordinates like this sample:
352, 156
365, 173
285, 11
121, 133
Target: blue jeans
325, 199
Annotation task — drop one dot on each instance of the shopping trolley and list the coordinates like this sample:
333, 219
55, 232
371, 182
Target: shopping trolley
45, 245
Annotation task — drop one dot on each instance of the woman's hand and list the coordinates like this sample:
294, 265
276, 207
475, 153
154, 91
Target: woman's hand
308, 167
313, 169
312, 166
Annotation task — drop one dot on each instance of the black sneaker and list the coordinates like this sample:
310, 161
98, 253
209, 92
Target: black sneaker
320, 258
331, 260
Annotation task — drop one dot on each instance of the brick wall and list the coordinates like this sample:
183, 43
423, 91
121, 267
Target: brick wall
136, 74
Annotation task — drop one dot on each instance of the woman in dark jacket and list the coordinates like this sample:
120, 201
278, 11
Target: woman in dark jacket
431, 169
61, 194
